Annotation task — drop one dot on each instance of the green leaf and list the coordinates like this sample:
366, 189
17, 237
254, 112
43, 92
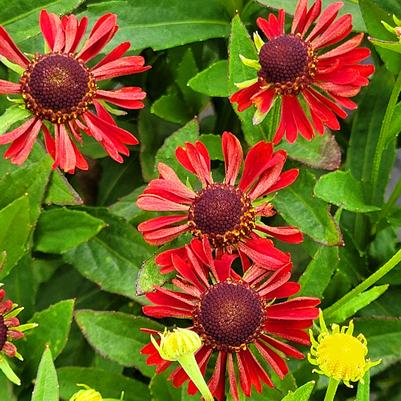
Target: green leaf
339, 314
162, 390
60, 192
46, 385
166, 153
365, 133
15, 230
213, 81
54, 325
364, 388
213, 144
319, 271
341, 189
322, 152
303, 393
166, 23
21, 19
300, 208
6, 390
350, 7
171, 107
112, 258
109, 384
11, 116
7, 370
117, 336
61, 229
373, 14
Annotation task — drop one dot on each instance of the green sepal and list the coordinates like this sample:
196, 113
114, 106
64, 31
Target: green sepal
8, 372
14, 67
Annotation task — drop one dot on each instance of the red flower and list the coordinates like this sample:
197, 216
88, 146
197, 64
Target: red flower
237, 318
9, 329
59, 87
313, 79
228, 215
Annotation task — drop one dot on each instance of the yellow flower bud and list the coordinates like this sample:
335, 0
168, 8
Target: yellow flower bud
88, 394
175, 344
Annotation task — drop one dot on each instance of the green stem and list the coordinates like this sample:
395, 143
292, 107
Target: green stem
391, 201
372, 279
191, 367
381, 142
331, 389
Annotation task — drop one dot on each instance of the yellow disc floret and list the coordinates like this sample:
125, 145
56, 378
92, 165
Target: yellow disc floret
88, 394
340, 355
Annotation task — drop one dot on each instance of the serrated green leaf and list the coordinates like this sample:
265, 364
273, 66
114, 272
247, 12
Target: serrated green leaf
213, 81
300, 208
303, 393
113, 257
109, 384
15, 231
342, 189
61, 229
322, 152
342, 313
46, 385
117, 336
319, 271
165, 24
54, 325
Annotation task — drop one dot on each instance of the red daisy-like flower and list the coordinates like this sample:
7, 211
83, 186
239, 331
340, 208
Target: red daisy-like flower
313, 78
8, 327
59, 87
227, 214
238, 318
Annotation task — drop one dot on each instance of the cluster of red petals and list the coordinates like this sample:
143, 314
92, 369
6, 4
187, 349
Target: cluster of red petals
339, 76
9, 324
285, 321
262, 174
63, 36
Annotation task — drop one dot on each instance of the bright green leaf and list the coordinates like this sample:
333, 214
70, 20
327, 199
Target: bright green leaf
61, 229
46, 385
341, 189
303, 393
117, 336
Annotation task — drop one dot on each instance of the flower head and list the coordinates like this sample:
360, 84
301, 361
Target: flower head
59, 89
10, 330
313, 79
227, 213
339, 354
239, 318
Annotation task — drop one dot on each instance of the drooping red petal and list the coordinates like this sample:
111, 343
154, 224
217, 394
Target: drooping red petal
52, 29
128, 97
9, 88
288, 234
10, 50
119, 67
232, 152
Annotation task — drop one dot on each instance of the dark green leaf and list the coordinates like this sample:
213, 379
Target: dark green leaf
322, 152
213, 81
107, 383
14, 234
319, 271
165, 24
46, 385
171, 107
61, 229
300, 208
112, 258
117, 336
53, 328
342, 189
213, 144
60, 192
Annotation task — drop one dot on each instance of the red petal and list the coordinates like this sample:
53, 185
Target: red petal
233, 157
10, 50
9, 88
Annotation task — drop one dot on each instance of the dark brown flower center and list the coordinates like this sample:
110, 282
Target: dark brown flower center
57, 87
3, 332
288, 62
223, 213
229, 316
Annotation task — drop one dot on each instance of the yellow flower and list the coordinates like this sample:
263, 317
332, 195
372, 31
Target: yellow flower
340, 355
88, 394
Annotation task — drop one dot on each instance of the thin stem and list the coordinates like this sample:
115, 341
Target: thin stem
391, 201
191, 368
372, 279
381, 142
331, 389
